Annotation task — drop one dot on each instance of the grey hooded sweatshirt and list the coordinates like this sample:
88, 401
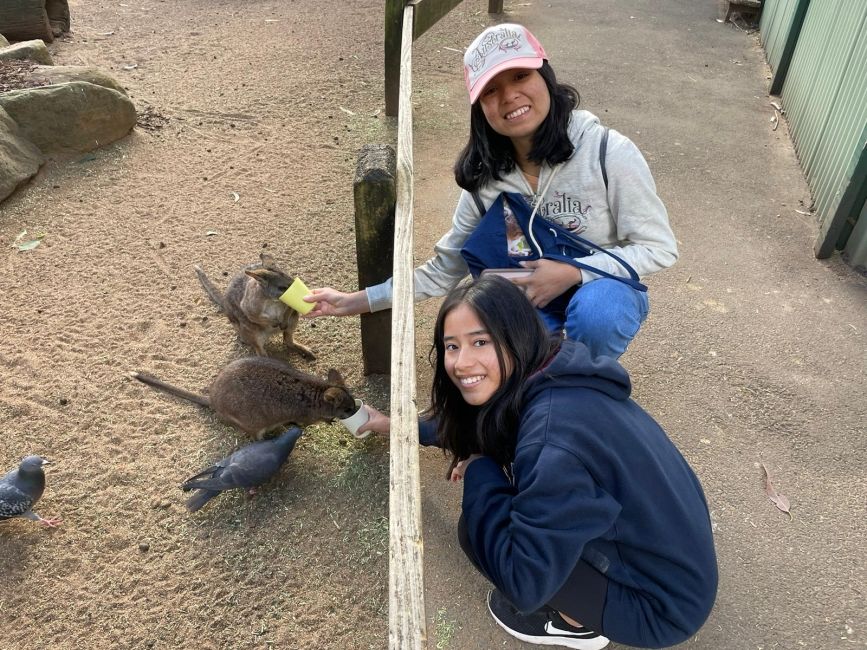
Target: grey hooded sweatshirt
628, 219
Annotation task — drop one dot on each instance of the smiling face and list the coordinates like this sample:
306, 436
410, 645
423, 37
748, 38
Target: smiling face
470, 356
515, 103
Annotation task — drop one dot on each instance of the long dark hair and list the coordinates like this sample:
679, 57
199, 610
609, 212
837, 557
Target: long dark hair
519, 335
488, 154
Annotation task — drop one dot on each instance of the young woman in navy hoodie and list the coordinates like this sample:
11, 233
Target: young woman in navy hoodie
576, 505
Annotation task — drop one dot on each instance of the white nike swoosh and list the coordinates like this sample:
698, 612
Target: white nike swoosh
550, 628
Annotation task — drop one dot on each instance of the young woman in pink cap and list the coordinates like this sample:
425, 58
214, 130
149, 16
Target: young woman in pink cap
564, 207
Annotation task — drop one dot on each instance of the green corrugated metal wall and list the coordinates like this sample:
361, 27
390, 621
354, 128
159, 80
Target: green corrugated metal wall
775, 24
825, 99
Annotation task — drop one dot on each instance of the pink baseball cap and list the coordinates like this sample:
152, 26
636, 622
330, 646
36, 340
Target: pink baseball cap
498, 48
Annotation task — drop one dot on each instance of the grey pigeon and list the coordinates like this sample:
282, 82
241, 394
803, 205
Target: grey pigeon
21, 488
248, 467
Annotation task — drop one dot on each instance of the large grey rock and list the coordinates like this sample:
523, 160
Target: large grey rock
58, 16
57, 74
71, 117
3, 41
35, 51
19, 158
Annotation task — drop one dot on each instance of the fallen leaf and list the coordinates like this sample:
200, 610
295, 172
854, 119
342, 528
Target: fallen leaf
211, 233
29, 245
346, 110
779, 500
236, 196
131, 66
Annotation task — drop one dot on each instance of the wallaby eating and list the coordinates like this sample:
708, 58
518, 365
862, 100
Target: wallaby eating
262, 395
251, 302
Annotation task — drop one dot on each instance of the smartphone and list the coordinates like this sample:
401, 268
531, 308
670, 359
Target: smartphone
509, 274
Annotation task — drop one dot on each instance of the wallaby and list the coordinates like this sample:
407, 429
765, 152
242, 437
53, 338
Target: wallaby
251, 302
262, 395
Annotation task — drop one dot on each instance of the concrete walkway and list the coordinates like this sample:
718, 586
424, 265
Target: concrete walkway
754, 352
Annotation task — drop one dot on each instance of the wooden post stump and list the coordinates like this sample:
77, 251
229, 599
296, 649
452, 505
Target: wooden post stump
375, 197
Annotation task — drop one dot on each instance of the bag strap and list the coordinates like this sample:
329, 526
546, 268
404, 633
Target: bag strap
603, 150
479, 205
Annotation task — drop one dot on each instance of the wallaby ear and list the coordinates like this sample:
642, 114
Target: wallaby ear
260, 275
334, 377
333, 395
267, 260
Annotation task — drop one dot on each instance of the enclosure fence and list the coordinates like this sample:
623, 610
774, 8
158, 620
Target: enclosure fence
406, 618
383, 191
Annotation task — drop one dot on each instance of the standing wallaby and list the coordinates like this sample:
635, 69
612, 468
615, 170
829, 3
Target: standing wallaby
260, 395
252, 304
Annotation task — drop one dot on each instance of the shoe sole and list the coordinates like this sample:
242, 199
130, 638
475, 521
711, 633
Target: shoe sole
596, 643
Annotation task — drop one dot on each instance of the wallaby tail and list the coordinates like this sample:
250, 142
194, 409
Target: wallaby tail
213, 293
150, 380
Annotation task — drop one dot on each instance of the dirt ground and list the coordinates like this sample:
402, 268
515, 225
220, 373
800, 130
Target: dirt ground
270, 101
251, 116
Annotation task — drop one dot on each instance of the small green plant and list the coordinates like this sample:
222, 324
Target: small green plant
445, 629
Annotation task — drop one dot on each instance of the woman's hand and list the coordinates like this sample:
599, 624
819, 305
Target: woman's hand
461, 468
549, 280
377, 422
330, 302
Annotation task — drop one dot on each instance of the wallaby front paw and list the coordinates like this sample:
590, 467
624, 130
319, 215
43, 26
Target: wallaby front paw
303, 350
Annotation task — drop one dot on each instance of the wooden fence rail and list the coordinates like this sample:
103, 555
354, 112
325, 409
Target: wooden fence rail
406, 617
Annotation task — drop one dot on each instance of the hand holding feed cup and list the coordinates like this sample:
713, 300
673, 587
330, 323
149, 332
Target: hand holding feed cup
357, 420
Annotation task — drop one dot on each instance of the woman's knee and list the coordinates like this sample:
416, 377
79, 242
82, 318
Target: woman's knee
606, 315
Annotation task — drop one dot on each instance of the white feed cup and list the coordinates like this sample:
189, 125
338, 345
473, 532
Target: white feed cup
357, 420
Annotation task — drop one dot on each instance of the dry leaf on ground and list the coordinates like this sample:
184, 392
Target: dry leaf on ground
779, 500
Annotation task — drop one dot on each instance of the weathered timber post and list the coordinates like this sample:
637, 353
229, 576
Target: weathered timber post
495, 6
375, 197
393, 19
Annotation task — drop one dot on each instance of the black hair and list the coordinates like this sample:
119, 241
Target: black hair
520, 339
487, 154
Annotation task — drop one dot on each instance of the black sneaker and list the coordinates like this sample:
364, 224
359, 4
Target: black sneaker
544, 627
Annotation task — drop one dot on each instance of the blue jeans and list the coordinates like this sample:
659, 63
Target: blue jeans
604, 315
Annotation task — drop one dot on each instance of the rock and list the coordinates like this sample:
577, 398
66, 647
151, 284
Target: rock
24, 19
70, 117
58, 16
19, 158
3, 41
31, 50
57, 74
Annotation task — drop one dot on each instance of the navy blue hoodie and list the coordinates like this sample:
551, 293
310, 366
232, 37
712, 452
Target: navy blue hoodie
595, 477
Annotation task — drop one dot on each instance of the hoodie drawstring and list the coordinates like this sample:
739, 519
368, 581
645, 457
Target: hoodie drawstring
538, 201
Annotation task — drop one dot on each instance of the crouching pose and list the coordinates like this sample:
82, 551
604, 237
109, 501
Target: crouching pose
576, 505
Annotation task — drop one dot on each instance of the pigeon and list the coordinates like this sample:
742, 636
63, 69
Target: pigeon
248, 467
21, 488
